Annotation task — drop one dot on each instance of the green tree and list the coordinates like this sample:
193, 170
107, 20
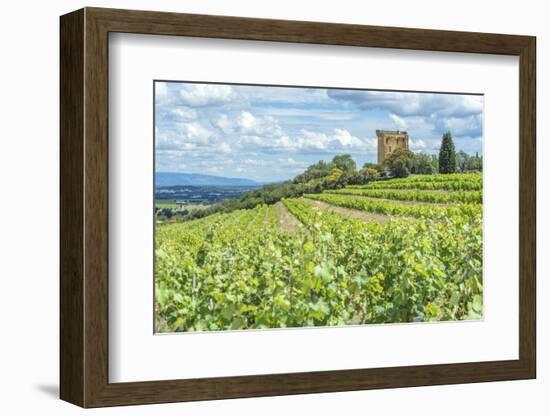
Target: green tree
435, 163
345, 163
375, 166
422, 164
447, 154
400, 162
315, 171
462, 160
167, 212
476, 163
335, 174
364, 176
467, 163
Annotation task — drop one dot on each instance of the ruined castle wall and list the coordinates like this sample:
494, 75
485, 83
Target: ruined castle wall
388, 141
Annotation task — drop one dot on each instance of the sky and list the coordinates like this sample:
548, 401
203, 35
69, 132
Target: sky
272, 134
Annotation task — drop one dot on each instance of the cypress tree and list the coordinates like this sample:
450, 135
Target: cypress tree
447, 154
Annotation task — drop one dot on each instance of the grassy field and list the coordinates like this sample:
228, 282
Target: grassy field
171, 203
165, 203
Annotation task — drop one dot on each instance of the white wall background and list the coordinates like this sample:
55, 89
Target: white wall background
29, 211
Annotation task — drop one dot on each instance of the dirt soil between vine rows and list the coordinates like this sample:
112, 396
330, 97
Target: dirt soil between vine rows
350, 213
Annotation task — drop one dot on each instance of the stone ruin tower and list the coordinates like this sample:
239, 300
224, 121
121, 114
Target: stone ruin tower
389, 140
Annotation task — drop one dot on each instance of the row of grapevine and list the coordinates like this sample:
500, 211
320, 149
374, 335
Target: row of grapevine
470, 197
397, 209
440, 177
444, 186
451, 182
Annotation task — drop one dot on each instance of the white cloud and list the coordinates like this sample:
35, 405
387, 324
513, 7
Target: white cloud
284, 142
424, 113
417, 145
290, 163
400, 122
194, 132
338, 140
252, 140
411, 104
345, 139
162, 94
284, 95
183, 114
250, 129
202, 95
161, 90
311, 140
265, 133
315, 113
223, 147
224, 124
472, 104
247, 123
463, 126
186, 137
253, 162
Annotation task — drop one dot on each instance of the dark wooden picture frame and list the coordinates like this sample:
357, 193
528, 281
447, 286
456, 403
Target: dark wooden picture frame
84, 207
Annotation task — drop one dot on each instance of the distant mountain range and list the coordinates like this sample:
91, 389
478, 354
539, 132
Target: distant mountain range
196, 179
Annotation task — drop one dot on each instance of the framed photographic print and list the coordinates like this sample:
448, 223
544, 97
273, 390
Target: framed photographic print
255, 207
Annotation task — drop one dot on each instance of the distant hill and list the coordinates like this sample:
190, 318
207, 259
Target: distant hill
196, 179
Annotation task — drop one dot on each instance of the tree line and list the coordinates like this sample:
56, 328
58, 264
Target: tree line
402, 162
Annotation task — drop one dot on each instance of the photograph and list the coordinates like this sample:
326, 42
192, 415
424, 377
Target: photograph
314, 206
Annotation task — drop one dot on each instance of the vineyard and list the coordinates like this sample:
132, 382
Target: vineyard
244, 269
